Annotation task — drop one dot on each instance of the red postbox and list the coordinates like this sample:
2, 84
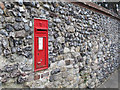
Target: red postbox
40, 44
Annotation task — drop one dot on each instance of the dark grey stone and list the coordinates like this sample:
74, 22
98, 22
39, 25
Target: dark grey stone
27, 28
20, 2
0, 50
18, 19
15, 73
13, 50
9, 68
62, 4
52, 59
81, 69
28, 55
2, 19
8, 5
21, 80
16, 43
29, 48
65, 74
51, 78
18, 26
19, 49
20, 34
29, 37
32, 4
54, 4
27, 68
4, 80
3, 32
9, 28
55, 71
19, 14
68, 22
67, 62
27, 3
80, 59
6, 52
5, 43
89, 49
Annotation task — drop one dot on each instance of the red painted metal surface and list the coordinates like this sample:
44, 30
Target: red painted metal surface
40, 44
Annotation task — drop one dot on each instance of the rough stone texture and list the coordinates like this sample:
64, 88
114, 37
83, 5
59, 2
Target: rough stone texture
20, 34
82, 45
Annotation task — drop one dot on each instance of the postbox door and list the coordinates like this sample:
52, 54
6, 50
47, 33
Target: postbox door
40, 51
40, 44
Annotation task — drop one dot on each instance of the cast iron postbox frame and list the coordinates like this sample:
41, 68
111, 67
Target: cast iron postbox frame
40, 44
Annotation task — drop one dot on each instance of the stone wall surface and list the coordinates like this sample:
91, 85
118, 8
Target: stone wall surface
83, 45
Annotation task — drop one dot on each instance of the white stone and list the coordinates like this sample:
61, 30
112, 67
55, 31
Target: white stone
61, 63
66, 50
25, 20
12, 34
46, 6
90, 45
57, 20
61, 39
75, 54
70, 29
72, 49
21, 9
30, 24
90, 22
68, 55
69, 67
82, 85
76, 34
53, 65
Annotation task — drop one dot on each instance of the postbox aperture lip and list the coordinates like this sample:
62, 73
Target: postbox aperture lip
41, 19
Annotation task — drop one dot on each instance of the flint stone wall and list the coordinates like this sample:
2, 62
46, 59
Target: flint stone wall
82, 46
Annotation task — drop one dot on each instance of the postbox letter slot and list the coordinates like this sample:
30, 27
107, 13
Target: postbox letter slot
41, 30
40, 43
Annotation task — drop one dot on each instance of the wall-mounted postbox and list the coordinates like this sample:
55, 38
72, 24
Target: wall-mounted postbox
40, 44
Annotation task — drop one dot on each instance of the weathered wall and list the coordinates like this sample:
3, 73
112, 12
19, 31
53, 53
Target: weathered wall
82, 46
